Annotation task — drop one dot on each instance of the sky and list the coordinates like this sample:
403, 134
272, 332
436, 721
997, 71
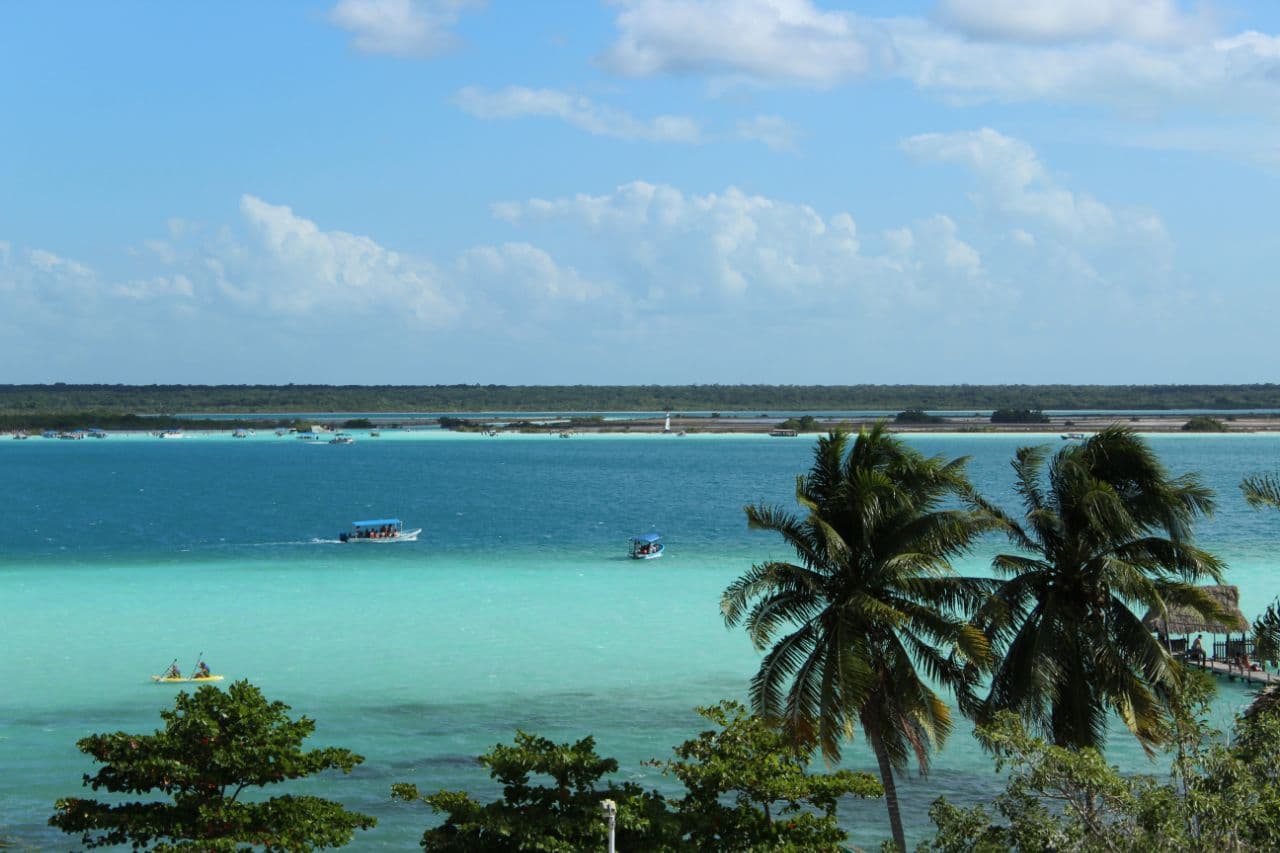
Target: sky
639, 191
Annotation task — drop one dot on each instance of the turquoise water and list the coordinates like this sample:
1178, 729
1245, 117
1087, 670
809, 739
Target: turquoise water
515, 609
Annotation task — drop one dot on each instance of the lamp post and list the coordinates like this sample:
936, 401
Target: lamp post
610, 810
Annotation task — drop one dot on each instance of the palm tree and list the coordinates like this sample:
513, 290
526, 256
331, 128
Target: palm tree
1104, 529
1263, 490
868, 615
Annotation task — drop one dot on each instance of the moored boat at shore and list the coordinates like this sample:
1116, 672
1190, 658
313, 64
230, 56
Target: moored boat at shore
379, 530
646, 546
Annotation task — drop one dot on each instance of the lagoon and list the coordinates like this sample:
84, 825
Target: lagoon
517, 607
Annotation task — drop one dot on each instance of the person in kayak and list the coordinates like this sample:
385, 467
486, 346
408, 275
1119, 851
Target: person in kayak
172, 671
202, 670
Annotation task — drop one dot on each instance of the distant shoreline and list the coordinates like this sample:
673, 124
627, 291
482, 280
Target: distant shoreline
1065, 427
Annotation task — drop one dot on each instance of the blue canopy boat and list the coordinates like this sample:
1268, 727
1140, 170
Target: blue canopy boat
379, 530
647, 546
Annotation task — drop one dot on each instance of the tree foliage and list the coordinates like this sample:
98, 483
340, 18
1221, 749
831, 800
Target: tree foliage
214, 747
1219, 798
1019, 416
156, 399
747, 790
558, 811
1204, 423
867, 619
917, 416
1104, 529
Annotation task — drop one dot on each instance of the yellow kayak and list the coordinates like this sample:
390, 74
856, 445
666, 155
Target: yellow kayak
169, 679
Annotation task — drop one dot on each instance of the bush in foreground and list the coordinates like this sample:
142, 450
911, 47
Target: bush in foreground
746, 790
213, 747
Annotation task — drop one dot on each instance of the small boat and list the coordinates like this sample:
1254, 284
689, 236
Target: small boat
784, 433
373, 433
342, 438
239, 433
379, 530
199, 679
171, 433
49, 433
97, 432
281, 431
20, 436
1073, 436
73, 435
647, 546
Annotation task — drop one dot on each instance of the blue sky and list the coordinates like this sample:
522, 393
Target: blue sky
639, 191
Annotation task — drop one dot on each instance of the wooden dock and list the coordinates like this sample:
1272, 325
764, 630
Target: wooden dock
1232, 671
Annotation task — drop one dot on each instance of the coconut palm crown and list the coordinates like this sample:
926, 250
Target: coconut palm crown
1105, 530
869, 615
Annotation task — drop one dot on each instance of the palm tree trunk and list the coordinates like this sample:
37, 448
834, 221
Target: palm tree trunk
886, 779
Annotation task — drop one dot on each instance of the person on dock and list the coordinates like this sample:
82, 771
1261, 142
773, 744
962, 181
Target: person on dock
1197, 649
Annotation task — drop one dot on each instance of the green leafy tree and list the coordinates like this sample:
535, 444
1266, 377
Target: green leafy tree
215, 746
1104, 529
561, 816
1019, 416
1204, 423
1221, 798
749, 790
746, 790
868, 615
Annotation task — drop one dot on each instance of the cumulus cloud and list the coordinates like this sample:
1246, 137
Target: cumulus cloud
575, 110
751, 252
404, 28
1157, 21
1138, 55
1015, 184
789, 40
294, 267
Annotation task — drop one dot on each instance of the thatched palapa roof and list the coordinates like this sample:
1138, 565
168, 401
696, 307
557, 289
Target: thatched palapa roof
1183, 620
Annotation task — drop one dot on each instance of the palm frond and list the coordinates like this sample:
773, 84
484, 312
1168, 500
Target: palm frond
1261, 490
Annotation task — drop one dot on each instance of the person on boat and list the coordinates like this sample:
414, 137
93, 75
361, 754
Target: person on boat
1197, 649
202, 670
173, 671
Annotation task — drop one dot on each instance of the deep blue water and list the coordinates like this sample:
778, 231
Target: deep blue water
516, 608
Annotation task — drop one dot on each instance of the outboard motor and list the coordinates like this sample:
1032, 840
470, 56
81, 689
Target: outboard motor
343, 537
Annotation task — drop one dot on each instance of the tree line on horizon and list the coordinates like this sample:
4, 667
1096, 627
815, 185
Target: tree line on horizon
749, 398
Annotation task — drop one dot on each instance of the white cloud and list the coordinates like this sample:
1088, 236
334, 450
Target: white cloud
525, 277
787, 40
1014, 183
1141, 56
773, 131
1158, 21
752, 253
578, 111
299, 268
404, 28
47, 262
